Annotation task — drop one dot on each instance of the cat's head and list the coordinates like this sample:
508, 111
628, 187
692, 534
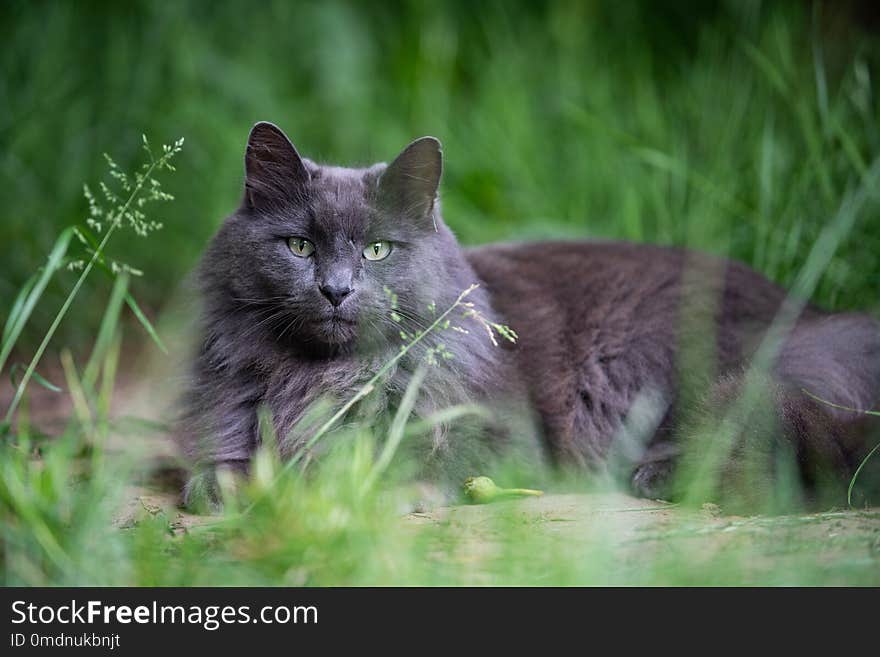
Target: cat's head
315, 251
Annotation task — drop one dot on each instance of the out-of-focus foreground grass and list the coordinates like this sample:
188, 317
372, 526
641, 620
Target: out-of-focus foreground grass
735, 127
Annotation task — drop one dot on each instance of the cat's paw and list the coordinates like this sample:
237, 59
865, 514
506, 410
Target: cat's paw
653, 479
206, 487
422, 498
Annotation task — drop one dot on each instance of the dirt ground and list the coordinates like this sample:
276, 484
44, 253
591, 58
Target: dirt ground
840, 545
636, 530
835, 547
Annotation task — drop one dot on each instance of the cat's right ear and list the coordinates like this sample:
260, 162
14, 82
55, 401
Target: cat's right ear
408, 186
274, 171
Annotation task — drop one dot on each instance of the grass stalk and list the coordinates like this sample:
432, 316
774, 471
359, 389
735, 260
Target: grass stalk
115, 222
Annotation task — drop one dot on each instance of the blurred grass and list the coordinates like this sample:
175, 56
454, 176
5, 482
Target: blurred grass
736, 127
729, 126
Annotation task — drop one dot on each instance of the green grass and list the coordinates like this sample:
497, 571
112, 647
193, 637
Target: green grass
739, 128
733, 127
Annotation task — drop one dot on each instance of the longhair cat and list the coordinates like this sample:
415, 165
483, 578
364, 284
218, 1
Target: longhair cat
296, 288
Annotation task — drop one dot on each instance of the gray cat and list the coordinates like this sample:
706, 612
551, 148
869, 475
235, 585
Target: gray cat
296, 287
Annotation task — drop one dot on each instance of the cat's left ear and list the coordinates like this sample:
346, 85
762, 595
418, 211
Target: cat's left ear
408, 187
274, 171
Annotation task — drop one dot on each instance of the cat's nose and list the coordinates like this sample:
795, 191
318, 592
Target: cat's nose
335, 293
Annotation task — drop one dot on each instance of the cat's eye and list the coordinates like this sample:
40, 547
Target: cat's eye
377, 250
300, 247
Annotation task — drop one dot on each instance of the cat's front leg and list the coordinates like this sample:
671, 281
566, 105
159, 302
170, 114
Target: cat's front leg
423, 497
220, 441
653, 477
203, 490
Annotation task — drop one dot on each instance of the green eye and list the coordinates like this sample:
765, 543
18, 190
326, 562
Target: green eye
377, 250
300, 247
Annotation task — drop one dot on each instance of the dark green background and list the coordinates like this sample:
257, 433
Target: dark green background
730, 126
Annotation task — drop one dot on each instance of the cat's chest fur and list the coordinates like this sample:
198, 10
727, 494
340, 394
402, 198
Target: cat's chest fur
295, 387
302, 393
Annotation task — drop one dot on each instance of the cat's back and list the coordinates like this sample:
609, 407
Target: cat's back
601, 323
597, 279
557, 269
576, 301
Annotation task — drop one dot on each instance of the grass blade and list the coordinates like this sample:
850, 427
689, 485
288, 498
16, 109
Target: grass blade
445, 416
106, 331
36, 375
77, 393
16, 321
108, 377
18, 304
852, 482
397, 430
148, 327
87, 235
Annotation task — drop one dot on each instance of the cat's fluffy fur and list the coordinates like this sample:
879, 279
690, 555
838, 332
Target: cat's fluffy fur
602, 326
620, 322
270, 338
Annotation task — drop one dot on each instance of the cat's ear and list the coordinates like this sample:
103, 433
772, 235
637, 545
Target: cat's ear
274, 171
408, 187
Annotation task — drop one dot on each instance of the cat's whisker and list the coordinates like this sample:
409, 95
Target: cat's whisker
270, 302
266, 321
375, 326
296, 321
420, 322
266, 299
261, 312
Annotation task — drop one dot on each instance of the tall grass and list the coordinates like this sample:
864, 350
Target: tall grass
729, 126
738, 128
46, 515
